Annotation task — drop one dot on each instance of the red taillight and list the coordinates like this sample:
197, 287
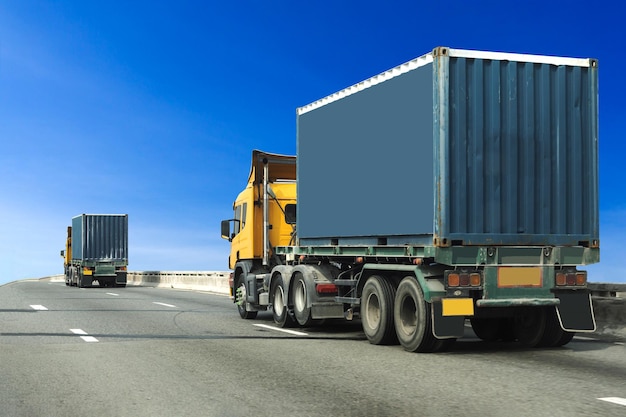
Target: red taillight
231, 280
326, 289
570, 278
464, 279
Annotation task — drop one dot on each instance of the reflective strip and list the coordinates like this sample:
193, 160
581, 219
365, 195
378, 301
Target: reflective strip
519, 277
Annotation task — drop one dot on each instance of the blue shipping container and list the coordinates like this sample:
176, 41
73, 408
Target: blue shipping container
100, 237
455, 147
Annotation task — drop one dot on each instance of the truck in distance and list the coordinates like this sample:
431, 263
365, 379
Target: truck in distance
96, 249
461, 185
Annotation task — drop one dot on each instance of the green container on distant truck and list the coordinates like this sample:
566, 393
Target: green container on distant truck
96, 249
459, 186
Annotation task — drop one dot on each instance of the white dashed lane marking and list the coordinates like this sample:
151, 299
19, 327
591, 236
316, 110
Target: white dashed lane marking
265, 326
614, 400
38, 307
163, 304
83, 335
113, 294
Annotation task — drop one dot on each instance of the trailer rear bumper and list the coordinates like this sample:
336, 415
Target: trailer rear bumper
514, 302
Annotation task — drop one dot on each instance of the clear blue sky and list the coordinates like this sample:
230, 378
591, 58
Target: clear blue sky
152, 108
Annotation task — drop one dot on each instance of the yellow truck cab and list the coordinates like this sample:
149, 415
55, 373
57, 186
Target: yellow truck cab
264, 217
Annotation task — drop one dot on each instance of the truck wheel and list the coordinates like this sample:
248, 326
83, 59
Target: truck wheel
529, 327
554, 335
413, 319
300, 301
377, 311
278, 300
240, 300
490, 329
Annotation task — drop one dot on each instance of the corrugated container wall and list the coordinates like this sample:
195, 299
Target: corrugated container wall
100, 237
514, 140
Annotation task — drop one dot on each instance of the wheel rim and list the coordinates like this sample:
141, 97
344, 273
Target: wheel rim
372, 311
241, 295
300, 296
279, 302
408, 316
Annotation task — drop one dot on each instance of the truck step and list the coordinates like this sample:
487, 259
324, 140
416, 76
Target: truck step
345, 282
348, 300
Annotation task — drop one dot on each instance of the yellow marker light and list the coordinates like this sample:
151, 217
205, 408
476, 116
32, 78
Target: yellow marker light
581, 278
454, 280
560, 278
475, 279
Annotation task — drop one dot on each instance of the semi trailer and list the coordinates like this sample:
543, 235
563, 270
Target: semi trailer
96, 249
461, 186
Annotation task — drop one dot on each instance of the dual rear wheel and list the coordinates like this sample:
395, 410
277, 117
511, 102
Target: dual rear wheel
532, 327
391, 314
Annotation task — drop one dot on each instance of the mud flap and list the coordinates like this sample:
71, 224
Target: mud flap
575, 311
446, 327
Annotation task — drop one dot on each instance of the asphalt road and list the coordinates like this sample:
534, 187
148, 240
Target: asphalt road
142, 351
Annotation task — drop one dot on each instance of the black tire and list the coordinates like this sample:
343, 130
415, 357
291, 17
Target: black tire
413, 320
301, 300
377, 311
278, 299
529, 327
554, 335
492, 329
73, 278
240, 300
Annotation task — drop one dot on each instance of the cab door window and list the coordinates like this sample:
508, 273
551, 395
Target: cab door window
240, 217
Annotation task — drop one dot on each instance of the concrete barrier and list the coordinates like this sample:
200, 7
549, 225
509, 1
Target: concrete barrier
211, 281
609, 305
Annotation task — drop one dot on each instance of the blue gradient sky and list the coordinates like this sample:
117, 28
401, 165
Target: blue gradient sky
152, 108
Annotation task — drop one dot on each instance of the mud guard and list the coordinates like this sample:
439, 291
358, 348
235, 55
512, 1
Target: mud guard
446, 327
575, 311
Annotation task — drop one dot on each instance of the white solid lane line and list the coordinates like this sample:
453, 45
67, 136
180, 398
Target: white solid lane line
163, 304
265, 326
38, 307
83, 335
614, 400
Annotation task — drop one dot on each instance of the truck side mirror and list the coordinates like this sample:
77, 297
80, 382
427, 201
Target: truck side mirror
290, 214
226, 230
63, 254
